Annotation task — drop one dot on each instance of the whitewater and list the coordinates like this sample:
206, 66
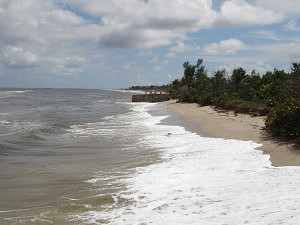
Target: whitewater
93, 157
201, 180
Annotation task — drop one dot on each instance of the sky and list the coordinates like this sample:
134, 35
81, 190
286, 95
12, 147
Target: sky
105, 44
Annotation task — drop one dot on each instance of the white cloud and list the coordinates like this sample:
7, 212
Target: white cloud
287, 8
71, 36
15, 57
262, 58
139, 79
128, 66
164, 62
154, 14
137, 24
65, 65
292, 25
182, 47
129, 24
266, 34
60, 17
225, 47
145, 53
157, 68
281, 52
154, 59
136, 39
259, 66
237, 13
171, 55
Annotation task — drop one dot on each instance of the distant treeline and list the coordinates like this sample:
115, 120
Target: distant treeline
158, 88
275, 94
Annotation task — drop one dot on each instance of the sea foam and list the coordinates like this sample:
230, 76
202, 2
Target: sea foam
200, 180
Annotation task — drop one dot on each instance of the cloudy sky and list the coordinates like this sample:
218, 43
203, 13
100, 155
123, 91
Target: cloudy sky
118, 43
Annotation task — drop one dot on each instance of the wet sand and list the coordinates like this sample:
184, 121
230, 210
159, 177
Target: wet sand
223, 124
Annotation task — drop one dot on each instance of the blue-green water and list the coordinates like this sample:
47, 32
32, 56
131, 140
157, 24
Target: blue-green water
52, 141
93, 157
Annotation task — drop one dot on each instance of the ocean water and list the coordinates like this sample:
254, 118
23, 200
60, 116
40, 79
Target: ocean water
93, 157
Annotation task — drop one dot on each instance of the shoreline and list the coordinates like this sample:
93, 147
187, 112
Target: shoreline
227, 125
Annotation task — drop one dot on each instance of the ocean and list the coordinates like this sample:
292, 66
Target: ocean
71, 156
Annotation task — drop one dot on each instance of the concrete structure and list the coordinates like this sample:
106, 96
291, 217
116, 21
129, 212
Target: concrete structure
151, 98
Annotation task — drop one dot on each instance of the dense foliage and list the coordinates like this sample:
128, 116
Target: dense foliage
275, 94
153, 88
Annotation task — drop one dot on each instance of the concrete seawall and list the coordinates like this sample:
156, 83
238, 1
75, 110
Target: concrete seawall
151, 98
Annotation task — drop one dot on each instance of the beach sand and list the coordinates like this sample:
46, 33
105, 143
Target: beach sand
223, 124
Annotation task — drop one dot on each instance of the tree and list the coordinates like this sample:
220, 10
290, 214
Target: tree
295, 69
284, 119
237, 76
175, 88
219, 81
189, 71
200, 72
276, 93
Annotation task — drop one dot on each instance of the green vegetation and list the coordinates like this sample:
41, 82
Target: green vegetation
275, 94
154, 88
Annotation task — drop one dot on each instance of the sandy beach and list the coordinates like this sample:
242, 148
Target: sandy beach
223, 124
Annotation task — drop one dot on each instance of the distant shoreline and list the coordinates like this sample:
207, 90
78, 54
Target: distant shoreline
129, 91
227, 125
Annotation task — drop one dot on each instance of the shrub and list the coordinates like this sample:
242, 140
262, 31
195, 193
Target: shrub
231, 104
220, 101
204, 99
284, 119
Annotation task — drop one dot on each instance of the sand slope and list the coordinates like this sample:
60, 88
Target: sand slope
227, 125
